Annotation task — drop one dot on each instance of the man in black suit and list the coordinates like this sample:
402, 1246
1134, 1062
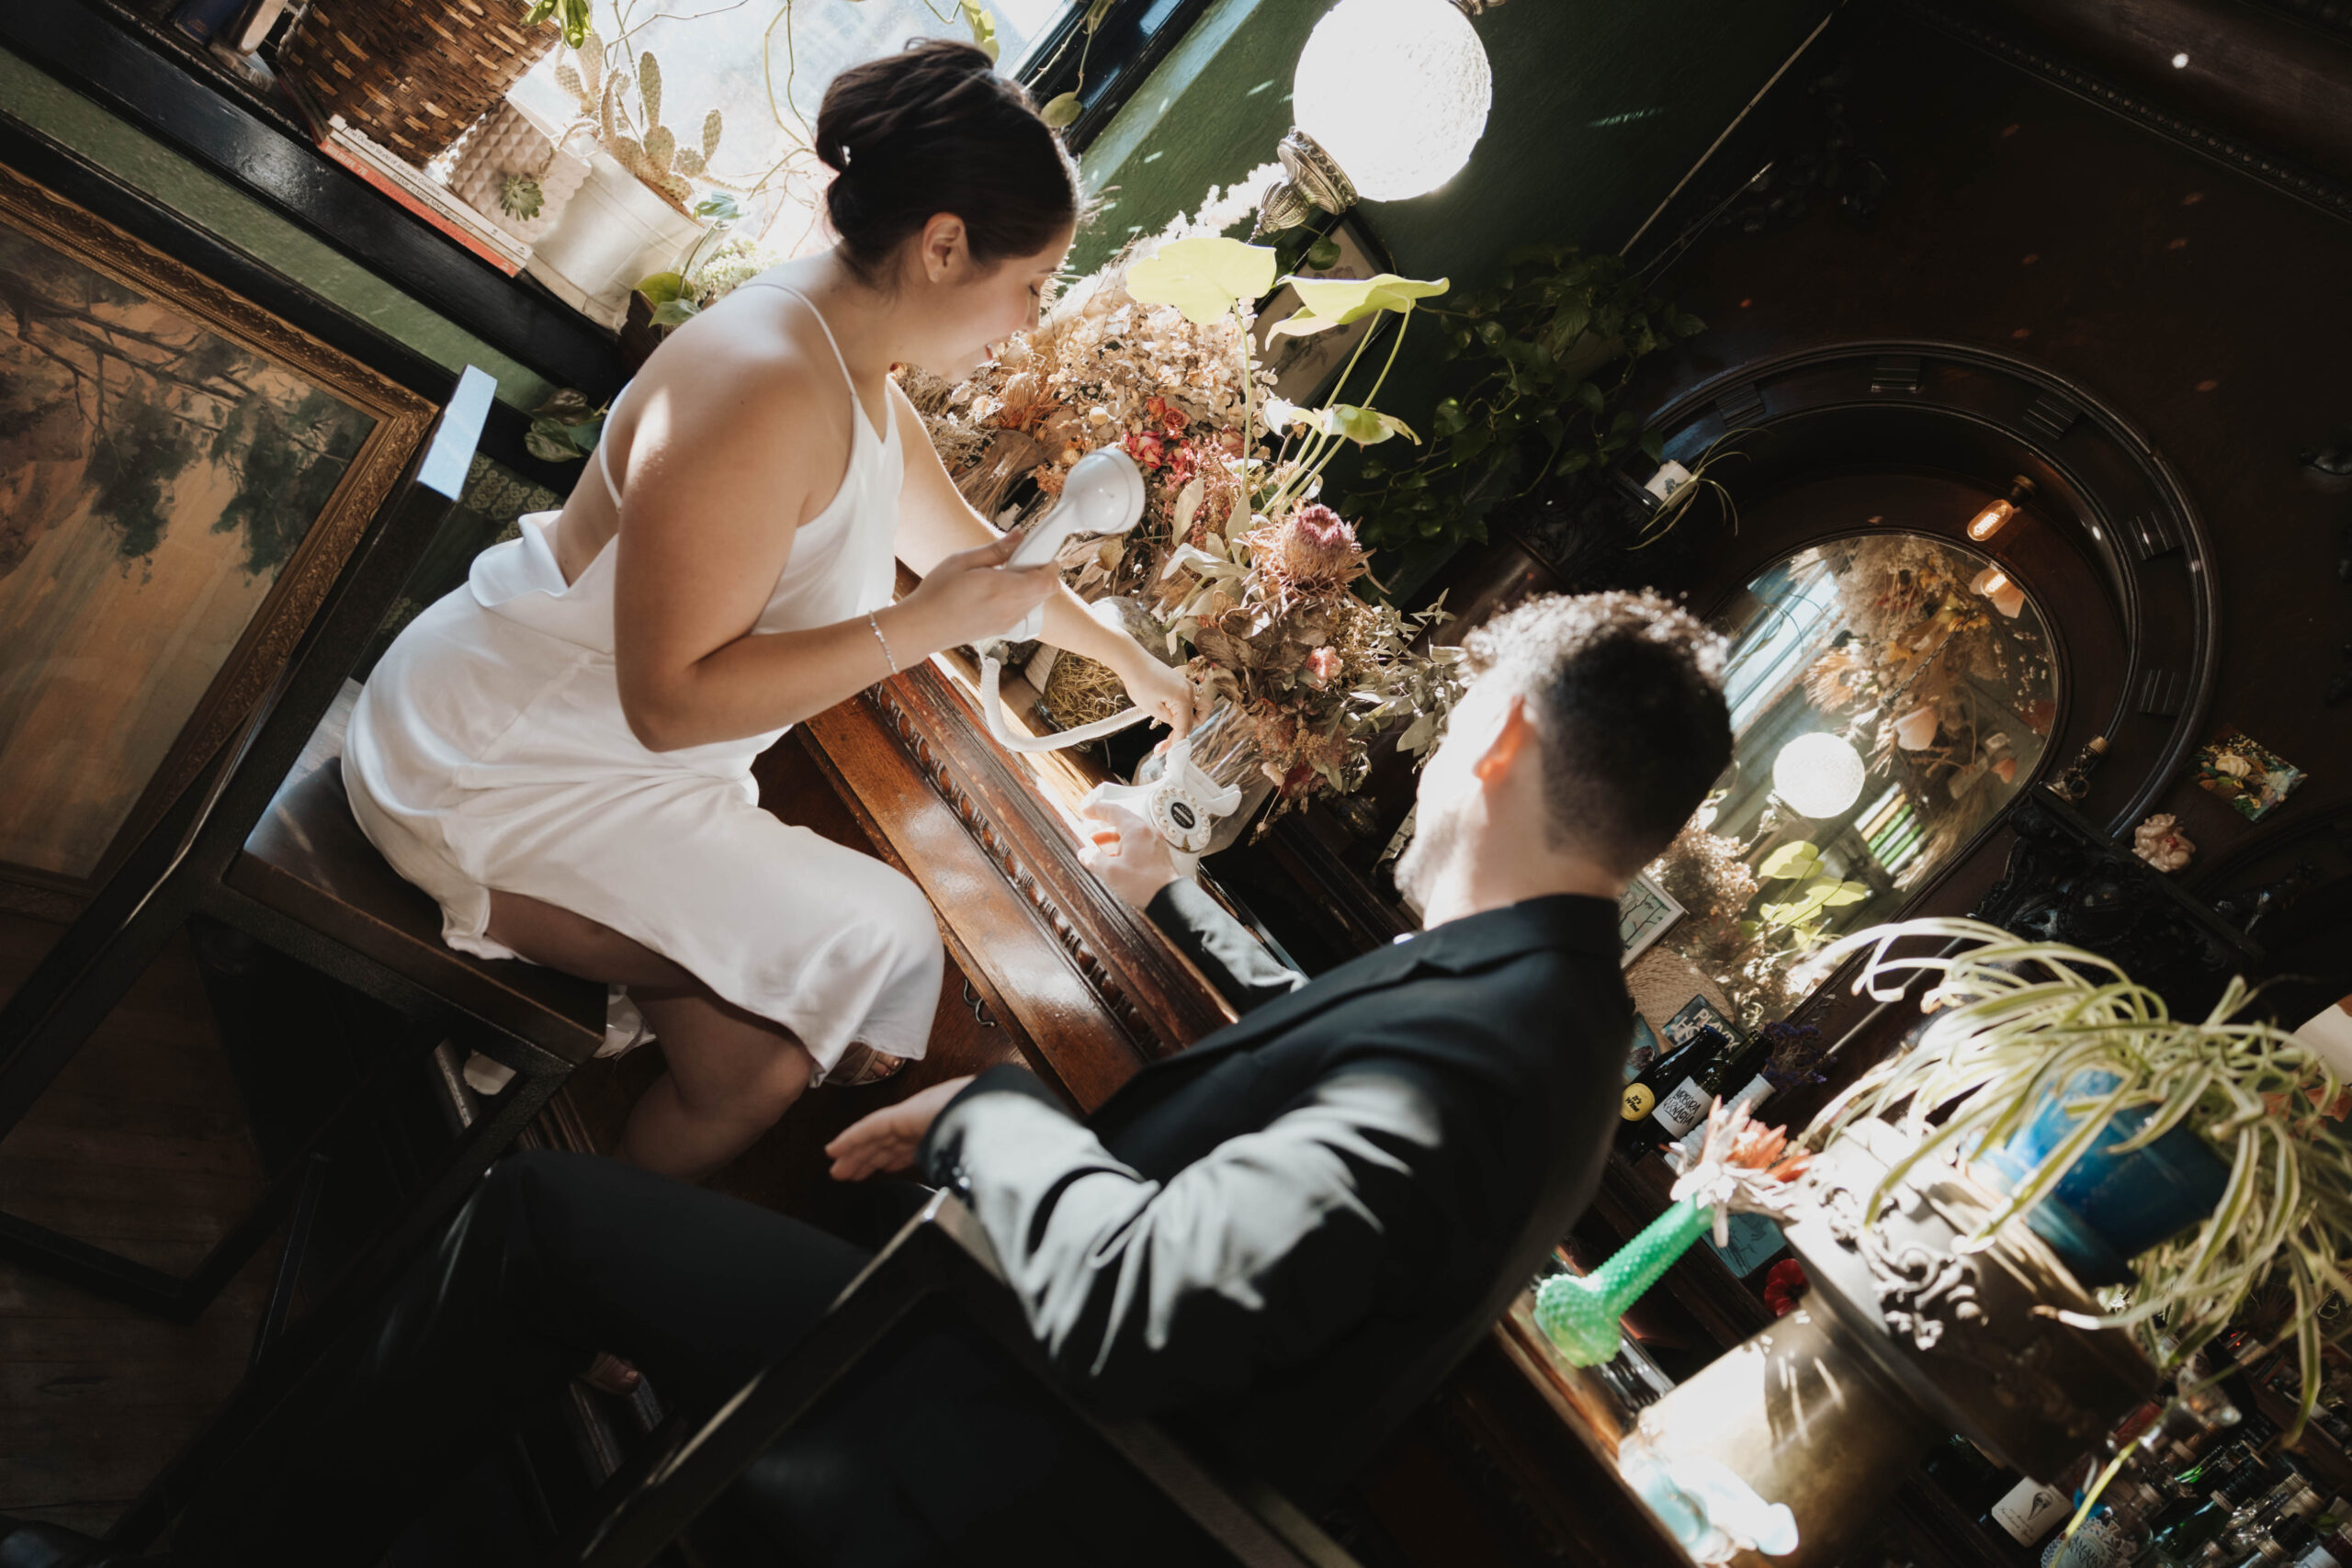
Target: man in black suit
1280, 1239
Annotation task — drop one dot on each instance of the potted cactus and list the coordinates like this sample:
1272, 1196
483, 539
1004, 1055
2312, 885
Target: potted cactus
634, 215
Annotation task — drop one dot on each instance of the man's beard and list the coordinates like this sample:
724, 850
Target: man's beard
1434, 837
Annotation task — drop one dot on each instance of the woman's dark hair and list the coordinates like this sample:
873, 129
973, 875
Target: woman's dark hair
936, 130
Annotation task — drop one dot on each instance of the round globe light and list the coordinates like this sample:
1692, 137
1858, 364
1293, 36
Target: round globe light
1818, 775
1396, 91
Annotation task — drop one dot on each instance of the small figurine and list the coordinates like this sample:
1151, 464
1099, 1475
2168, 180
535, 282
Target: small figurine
2160, 843
2073, 782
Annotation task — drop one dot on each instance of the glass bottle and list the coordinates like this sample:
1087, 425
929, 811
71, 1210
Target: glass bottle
2183, 1541
2187, 1489
2291, 1497
1641, 1132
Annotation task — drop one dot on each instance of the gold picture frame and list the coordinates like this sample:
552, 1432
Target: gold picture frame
183, 475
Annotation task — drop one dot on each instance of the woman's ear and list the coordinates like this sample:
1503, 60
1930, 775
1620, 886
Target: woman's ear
945, 246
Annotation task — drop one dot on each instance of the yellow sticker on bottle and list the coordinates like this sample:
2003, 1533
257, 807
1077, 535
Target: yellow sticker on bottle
1639, 1100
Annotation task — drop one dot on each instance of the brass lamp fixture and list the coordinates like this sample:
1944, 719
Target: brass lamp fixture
1390, 96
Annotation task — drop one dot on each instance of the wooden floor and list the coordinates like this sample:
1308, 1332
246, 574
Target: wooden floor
140, 1145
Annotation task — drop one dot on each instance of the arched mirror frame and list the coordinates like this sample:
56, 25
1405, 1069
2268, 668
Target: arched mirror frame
1982, 416
1975, 418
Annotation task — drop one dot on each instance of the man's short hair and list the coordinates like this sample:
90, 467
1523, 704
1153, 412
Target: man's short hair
1625, 691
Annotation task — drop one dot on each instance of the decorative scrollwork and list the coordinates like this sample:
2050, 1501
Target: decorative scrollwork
1000, 851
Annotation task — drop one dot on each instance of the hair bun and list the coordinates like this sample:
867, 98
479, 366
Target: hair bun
935, 129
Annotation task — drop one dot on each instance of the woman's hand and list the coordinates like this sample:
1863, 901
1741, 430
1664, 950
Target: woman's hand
970, 597
885, 1141
1162, 690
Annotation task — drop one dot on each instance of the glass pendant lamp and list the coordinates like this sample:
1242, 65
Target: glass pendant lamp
1389, 98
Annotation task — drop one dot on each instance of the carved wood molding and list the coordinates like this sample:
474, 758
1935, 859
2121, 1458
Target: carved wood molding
2230, 149
1090, 987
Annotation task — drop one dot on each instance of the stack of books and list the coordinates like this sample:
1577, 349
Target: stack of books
424, 196
404, 182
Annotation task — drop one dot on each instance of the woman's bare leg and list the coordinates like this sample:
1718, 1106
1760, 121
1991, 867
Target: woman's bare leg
731, 1072
732, 1075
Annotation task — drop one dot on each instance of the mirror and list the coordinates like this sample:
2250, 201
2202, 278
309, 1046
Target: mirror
1890, 693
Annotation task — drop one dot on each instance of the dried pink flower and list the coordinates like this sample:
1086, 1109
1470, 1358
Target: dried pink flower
1312, 550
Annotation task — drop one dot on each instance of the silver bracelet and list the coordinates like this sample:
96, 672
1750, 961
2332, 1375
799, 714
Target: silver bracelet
876, 628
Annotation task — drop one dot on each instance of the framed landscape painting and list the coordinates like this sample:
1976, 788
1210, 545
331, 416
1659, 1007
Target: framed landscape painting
182, 475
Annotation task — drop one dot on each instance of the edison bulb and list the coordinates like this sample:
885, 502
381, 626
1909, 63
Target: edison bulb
1396, 91
1987, 522
1818, 775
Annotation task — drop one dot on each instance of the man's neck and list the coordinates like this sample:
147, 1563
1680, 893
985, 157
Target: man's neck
1465, 888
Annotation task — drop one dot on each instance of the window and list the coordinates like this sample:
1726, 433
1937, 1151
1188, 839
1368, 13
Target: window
762, 64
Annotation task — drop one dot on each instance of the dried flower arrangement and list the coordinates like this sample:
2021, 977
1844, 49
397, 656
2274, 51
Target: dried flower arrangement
1236, 561
1925, 643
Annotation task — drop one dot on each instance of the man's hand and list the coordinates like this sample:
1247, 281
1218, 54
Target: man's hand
1127, 853
885, 1143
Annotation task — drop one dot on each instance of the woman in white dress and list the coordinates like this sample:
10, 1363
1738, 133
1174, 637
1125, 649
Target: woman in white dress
560, 751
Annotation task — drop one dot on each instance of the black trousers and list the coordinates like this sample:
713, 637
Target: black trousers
937, 1448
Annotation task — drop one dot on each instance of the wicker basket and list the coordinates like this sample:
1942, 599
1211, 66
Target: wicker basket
411, 75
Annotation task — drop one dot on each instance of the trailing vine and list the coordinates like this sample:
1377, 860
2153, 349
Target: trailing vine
1544, 358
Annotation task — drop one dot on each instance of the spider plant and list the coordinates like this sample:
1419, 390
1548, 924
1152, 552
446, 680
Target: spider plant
2013, 1022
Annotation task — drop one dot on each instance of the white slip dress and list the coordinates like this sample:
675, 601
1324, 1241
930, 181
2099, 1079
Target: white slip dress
488, 750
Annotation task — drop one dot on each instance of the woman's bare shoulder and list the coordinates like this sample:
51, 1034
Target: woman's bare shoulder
739, 360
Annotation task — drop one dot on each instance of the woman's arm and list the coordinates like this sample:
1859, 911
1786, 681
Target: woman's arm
721, 466
934, 520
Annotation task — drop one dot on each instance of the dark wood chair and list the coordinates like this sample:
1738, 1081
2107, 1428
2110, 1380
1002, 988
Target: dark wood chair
941, 1253
280, 858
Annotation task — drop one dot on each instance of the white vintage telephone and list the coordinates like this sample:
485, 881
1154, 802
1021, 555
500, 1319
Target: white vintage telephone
1105, 494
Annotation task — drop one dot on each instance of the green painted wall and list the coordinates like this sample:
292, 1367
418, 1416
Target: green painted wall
213, 205
1600, 107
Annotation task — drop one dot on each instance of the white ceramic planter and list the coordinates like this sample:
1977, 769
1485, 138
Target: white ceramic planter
613, 232
510, 141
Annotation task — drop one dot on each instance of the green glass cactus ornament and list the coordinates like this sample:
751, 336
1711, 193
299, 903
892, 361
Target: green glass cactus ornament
1580, 1314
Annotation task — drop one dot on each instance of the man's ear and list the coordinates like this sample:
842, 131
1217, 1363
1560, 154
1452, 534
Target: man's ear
944, 245
1512, 737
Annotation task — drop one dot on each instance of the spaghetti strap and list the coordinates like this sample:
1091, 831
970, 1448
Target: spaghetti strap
856, 404
822, 326
605, 467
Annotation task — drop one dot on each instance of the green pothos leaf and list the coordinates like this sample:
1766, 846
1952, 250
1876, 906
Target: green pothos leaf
1061, 110
1365, 427
1203, 276
1797, 859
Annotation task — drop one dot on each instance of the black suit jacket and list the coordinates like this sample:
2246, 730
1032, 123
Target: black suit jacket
1286, 1235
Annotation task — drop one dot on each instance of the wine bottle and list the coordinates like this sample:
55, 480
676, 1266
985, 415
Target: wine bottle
1634, 1135
2026, 1512
2180, 1544
1737, 1076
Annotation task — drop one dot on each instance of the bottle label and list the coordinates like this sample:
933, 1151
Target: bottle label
1682, 1110
2029, 1511
1751, 1096
1639, 1098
